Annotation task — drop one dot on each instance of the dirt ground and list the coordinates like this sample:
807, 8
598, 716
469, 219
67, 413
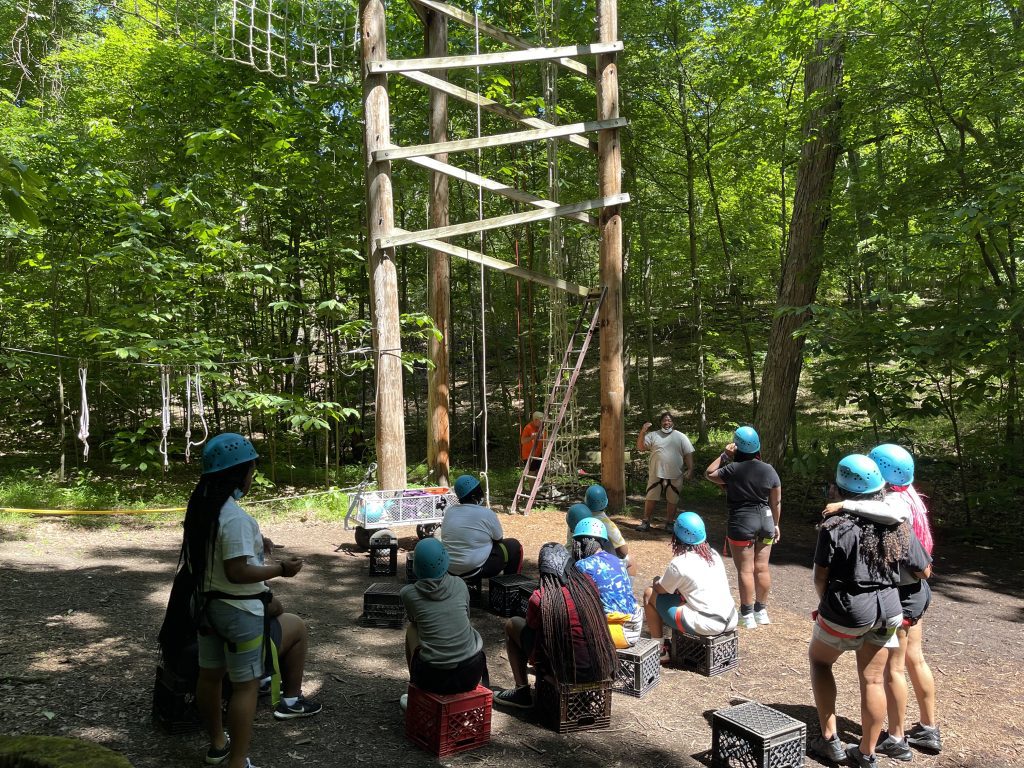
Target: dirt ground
81, 608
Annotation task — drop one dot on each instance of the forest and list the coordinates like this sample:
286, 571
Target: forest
183, 233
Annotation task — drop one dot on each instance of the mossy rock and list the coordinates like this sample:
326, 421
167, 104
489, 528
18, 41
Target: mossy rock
56, 752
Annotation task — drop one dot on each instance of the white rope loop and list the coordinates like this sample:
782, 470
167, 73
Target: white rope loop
483, 303
165, 410
193, 384
83, 413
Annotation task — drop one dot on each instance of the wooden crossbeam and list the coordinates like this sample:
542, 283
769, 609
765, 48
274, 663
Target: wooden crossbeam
490, 105
498, 264
490, 59
497, 140
469, 227
494, 186
497, 33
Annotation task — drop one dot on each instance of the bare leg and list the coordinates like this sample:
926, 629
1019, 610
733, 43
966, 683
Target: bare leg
654, 623
823, 685
412, 642
649, 510
743, 557
871, 661
762, 573
513, 646
921, 676
240, 713
292, 655
208, 698
896, 686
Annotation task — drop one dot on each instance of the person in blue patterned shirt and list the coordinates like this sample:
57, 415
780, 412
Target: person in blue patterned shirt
608, 572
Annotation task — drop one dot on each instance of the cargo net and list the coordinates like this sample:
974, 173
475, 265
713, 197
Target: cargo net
385, 509
302, 40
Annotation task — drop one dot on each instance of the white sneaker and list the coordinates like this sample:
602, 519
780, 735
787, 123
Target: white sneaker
761, 617
747, 621
403, 702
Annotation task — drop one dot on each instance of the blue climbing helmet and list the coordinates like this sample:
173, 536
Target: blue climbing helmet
689, 528
576, 513
465, 485
592, 527
746, 440
227, 450
894, 462
596, 498
858, 474
430, 559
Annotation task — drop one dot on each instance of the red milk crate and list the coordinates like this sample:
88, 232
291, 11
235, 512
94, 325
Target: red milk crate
444, 725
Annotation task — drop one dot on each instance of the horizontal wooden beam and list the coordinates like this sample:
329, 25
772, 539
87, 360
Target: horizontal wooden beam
472, 97
495, 186
466, 18
496, 140
491, 59
502, 266
469, 227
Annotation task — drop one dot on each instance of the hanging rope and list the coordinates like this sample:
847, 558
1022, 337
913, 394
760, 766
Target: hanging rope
165, 410
194, 382
83, 412
483, 303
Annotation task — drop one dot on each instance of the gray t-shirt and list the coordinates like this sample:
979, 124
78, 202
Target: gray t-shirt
667, 452
469, 532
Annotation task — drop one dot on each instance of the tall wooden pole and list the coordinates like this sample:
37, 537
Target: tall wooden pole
387, 341
438, 268
613, 439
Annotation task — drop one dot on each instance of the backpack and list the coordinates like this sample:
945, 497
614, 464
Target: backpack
174, 692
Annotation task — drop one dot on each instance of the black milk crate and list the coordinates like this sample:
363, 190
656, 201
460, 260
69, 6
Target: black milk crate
475, 585
410, 575
571, 707
752, 735
525, 593
639, 668
382, 606
503, 593
707, 655
383, 558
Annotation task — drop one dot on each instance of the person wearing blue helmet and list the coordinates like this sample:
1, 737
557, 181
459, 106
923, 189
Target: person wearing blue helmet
753, 495
228, 558
670, 451
596, 501
611, 577
692, 595
474, 538
856, 572
444, 653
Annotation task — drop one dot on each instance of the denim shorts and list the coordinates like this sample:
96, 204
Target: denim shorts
850, 639
232, 627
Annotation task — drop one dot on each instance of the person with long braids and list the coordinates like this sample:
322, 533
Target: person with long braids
611, 577
856, 571
233, 606
564, 633
693, 594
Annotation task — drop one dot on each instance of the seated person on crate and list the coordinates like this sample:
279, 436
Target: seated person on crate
444, 653
594, 505
564, 633
624, 615
693, 594
473, 536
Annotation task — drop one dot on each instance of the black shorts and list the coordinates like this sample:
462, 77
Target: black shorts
506, 557
751, 525
915, 599
465, 676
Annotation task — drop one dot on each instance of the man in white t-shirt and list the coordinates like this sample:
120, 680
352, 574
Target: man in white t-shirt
670, 450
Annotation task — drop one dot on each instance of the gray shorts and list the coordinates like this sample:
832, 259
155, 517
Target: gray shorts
850, 639
236, 643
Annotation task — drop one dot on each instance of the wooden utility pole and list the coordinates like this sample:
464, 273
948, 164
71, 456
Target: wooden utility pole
609, 150
387, 340
439, 265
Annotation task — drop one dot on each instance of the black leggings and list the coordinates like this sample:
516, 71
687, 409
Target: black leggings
465, 676
506, 557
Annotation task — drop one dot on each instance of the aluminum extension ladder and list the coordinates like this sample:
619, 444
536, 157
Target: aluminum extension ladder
557, 401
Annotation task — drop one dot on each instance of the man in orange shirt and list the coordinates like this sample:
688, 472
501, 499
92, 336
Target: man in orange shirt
531, 442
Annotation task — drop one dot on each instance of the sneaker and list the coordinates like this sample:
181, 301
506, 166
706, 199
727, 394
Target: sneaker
926, 737
403, 702
858, 759
761, 617
890, 746
669, 526
830, 750
645, 525
747, 621
515, 697
265, 687
216, 756
300, 708
666, 652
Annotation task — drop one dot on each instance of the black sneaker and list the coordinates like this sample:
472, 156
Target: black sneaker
830, 750
925, 737
892, 747
265, 687
858, 759
644, 526
301, 708
520, 697
216, 756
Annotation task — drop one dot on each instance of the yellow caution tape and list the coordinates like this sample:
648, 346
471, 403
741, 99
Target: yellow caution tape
20, 511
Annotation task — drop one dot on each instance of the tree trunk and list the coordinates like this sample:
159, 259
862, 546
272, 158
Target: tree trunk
805, 247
